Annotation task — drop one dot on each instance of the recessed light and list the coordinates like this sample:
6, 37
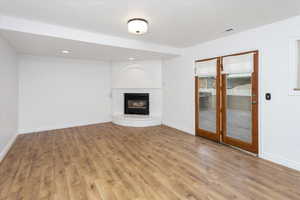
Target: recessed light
137, 26
131, 58
65, 51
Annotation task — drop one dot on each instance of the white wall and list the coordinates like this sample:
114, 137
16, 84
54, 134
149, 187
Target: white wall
278, 119
57, 93
137, 74
8, 97
137, 77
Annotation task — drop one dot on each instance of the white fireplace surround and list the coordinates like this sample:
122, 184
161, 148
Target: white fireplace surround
136, 120
137, 77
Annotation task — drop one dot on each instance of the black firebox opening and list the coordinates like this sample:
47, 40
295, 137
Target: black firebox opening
136, 103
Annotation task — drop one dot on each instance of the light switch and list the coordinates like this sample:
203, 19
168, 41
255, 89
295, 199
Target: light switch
268, 96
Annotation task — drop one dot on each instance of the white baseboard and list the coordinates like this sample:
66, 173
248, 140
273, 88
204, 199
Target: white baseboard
61, 126
281, 161
7, 147
183, 129
178, 129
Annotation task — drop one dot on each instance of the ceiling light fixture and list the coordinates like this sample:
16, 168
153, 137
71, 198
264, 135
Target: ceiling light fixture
229, 30
65, 51
137, 26
131, 58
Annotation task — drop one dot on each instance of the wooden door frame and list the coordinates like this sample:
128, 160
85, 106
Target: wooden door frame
201, 132
253, 147
220, 136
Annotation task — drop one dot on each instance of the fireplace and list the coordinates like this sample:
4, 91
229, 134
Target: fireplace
136, 103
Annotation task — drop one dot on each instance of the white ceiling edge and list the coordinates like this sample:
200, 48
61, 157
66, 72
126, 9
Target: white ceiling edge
57, 31
39, 45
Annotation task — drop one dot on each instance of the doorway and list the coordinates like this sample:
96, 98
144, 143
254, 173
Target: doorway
226, 100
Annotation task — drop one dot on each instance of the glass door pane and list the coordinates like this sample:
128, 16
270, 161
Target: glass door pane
207, 104
238, 107
208, 98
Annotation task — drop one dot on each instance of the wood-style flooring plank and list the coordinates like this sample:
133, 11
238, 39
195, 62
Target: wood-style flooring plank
110, 162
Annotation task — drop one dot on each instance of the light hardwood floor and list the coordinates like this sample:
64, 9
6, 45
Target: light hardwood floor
107, 162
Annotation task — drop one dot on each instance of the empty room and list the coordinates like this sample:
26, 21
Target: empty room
149, 100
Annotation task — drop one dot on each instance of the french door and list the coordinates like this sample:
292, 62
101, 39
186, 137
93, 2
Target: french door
208, 99
227, 100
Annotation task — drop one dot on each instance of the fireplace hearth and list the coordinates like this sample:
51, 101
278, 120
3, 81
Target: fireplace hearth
136, 103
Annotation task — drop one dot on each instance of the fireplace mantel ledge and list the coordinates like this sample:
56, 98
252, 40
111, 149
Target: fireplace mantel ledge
136, 120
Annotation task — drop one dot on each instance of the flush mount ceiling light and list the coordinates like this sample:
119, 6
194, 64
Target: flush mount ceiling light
137, 26
65, 51
131, 59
